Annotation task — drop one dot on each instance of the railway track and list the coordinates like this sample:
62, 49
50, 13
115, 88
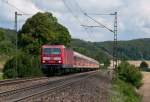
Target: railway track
12, 84
18, 80
33, 92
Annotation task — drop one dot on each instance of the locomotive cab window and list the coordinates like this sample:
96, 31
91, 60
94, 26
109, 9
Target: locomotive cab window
51, 51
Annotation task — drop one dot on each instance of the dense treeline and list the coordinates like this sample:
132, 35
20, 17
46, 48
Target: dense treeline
134, 49
89, 49
127, 50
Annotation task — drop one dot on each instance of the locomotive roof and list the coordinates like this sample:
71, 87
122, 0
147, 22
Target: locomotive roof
49, 46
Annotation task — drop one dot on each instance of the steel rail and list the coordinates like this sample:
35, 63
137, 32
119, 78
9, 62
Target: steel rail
61, 85
19, 80
55, 84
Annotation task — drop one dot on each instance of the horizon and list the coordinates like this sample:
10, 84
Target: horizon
91, 41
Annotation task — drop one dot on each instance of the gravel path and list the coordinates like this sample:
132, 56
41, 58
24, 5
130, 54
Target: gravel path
92, 89
145, 89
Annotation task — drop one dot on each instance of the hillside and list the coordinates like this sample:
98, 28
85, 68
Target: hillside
133, 49
91, 50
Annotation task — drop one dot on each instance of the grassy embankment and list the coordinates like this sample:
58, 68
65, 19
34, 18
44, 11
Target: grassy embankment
124, 92
1, 75
128, 80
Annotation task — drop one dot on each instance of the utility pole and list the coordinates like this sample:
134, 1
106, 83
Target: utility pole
16, 26
114, 31
115, 54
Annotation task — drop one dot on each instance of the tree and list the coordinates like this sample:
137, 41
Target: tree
41, 29
103, 58
143, 64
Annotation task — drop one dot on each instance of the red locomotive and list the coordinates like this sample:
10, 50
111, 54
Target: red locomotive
56, 58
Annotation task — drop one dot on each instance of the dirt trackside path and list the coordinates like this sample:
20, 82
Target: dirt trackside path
145, 89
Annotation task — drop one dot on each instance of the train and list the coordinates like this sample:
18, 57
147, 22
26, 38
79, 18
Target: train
61, 59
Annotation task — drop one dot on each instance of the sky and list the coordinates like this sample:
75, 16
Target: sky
133, 16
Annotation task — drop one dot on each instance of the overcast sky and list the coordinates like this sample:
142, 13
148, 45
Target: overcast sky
133, 16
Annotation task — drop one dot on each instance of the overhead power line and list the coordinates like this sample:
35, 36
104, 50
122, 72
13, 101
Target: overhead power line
76, 17
79, 6
70, 10
101, 13
102, 25
23, 13
89, 26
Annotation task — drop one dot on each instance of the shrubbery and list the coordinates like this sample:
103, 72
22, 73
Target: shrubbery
130, 74
27, 66
144, 66
128, 78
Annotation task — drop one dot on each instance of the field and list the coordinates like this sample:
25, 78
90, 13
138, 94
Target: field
138, 62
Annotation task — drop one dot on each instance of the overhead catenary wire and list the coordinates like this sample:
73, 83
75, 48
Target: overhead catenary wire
22, 12
101, 25
70, 10
79, 6
76, 17
86, 27
98, 22
83, 12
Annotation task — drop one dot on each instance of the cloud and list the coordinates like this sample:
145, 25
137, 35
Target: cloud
133, 16
8, 8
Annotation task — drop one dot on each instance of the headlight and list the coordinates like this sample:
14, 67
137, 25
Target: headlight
59, 61
57, 58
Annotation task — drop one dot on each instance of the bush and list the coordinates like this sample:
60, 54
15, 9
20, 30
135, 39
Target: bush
27, 66
144, 66
130, 74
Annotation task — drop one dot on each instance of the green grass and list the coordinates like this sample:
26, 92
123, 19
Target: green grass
123, 92
1, 75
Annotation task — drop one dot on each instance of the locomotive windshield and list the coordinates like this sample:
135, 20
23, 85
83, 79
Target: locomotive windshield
51, 51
